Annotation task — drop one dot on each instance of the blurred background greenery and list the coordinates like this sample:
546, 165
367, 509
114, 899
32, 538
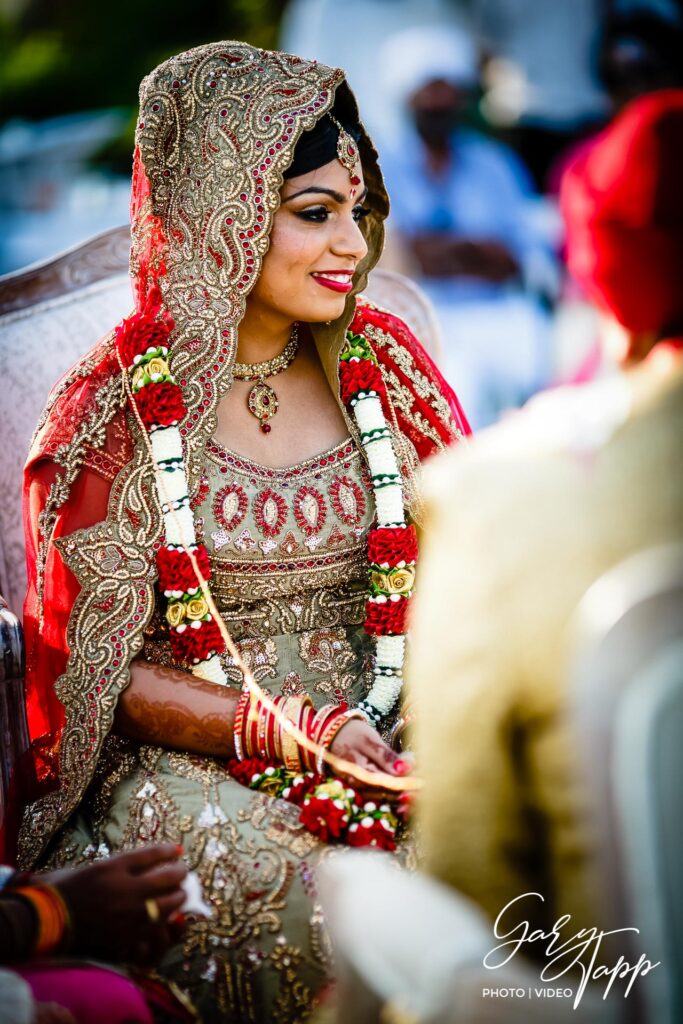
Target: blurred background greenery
63, 56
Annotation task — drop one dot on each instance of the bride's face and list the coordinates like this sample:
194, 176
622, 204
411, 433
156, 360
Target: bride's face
315, 246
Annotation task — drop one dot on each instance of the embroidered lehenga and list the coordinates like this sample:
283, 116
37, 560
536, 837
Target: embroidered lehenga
287, 546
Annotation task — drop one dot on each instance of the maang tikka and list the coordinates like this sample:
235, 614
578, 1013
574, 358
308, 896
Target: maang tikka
347, 153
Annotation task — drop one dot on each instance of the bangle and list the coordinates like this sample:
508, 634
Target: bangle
238, 727
52, 916
251, 727
306, 755
293, 710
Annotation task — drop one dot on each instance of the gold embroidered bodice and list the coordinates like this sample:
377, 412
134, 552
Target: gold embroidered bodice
289, 568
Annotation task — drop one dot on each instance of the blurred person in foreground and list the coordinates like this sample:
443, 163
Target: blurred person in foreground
522, 523
124, 908
461, 221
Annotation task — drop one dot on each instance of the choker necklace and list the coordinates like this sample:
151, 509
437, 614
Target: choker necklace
262, 400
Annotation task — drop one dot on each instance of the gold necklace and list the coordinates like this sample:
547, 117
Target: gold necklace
262, 400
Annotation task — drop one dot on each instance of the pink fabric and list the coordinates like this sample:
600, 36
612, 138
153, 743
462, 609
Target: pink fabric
94, 995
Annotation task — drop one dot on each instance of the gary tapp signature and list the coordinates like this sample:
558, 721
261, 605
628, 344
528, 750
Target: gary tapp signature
580, 951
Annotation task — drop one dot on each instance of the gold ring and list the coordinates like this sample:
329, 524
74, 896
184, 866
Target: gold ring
152, 909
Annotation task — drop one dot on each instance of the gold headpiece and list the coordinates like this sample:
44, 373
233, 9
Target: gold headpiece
347, 150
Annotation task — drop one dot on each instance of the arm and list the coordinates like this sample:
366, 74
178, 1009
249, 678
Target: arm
177, 710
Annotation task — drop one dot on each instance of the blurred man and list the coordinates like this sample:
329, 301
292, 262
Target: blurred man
519, 526
461, 221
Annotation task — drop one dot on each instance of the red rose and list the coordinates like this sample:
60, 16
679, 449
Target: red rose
392, 545
244, 771
377, 834
197, 643
324, 818
175, 568
387, 618
299, 791
160, 405
140, 332
359, 375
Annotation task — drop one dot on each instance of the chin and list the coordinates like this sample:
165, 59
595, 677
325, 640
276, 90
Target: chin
329, 309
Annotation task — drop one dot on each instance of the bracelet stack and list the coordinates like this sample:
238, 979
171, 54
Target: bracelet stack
52, 917
259, 732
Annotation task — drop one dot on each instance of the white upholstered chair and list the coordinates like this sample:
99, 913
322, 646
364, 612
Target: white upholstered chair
629, 704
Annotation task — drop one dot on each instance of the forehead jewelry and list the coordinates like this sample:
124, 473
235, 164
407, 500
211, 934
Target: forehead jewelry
347, 153
262, 400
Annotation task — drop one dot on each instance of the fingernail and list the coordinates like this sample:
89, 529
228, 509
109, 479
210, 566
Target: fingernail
401, 766
180, 850
177, 918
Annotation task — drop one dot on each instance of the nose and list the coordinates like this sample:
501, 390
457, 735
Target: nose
348, 240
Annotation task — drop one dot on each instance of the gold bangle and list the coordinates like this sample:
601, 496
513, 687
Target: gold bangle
292, 710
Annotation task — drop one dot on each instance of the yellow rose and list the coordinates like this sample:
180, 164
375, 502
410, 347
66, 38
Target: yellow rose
401, 581
197, 608
270, 786
157, 365
380, 580
334, 789
175, 613
138, 377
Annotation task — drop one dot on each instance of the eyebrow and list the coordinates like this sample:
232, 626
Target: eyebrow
337, 196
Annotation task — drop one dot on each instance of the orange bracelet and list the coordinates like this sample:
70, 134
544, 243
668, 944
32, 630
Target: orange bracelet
52, 914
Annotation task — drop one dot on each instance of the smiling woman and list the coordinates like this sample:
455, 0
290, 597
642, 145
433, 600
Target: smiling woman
257, 215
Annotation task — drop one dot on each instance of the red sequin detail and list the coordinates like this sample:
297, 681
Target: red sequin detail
230, 506
270, 511
343, 490
309, 510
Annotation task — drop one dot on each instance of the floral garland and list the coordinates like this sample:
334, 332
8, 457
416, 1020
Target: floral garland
330, 810
392, 545
142, 343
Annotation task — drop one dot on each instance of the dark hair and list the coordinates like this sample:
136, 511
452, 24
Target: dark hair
318, 146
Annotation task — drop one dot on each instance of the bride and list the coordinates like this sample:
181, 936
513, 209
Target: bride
255, 418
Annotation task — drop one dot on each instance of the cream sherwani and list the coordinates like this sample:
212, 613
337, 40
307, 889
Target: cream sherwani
518, 527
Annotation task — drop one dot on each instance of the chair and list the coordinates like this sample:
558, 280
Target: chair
50, 314
629, 708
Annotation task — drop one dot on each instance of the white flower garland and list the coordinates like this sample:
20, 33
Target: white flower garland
179, 528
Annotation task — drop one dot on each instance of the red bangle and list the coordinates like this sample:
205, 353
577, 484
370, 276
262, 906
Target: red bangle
251, 728
272, 751
306, 755
238, 725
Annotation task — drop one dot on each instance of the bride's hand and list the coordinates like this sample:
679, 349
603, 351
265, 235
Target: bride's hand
359, 743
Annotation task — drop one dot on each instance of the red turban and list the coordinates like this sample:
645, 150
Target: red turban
622, 201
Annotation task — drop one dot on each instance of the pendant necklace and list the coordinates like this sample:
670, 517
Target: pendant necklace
262, 400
